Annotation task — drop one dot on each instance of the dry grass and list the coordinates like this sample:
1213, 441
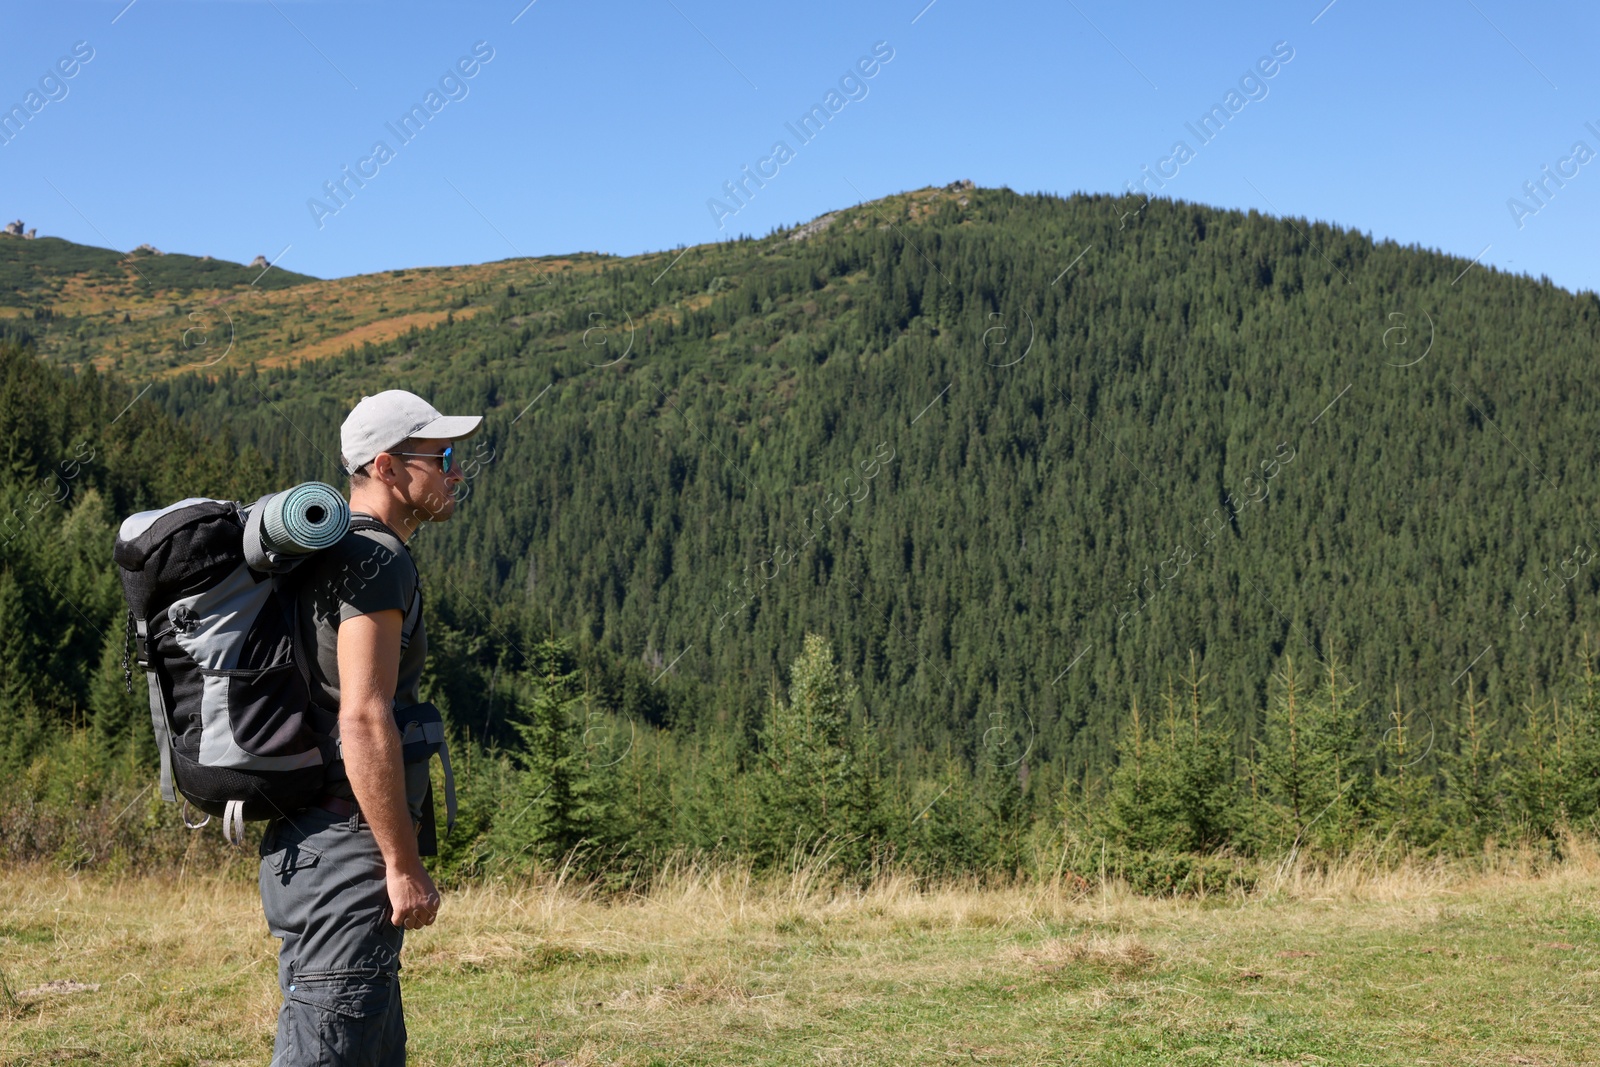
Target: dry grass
1361, 963
325, 316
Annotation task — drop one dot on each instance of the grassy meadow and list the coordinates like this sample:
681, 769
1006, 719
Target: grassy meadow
1360, 964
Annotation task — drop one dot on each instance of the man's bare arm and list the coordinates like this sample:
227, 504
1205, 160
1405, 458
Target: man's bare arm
369, 669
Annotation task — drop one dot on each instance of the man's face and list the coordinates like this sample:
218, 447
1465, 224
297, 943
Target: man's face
429, 492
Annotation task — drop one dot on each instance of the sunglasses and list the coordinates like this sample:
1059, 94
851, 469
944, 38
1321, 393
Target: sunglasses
446, 458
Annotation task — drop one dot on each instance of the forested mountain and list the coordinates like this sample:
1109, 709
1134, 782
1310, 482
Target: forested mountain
964, 439
1016, 456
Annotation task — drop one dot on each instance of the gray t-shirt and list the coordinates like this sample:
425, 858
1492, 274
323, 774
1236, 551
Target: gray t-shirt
368, 571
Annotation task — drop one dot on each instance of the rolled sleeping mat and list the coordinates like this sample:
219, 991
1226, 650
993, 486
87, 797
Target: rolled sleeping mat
309, 517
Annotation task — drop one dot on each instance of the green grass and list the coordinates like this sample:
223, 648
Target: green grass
1407, 968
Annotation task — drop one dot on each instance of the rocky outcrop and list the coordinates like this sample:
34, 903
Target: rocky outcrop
150, 250
14, 229
815, 226
260, 261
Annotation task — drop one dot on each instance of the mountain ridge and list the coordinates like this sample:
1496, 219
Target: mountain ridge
66, 290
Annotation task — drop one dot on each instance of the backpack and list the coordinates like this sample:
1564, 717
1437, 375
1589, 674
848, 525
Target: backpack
212, 606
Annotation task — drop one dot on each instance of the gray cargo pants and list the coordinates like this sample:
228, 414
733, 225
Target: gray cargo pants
324, 893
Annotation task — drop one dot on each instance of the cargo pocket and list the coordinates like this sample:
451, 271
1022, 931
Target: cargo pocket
287, 865
346, 1021
288, 857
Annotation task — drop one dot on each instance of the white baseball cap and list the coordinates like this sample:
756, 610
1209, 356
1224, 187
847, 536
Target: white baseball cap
382, 422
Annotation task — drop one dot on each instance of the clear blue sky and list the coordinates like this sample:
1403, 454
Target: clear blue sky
205, 127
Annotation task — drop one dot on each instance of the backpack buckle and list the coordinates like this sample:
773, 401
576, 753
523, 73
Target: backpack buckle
141, 642
183, 619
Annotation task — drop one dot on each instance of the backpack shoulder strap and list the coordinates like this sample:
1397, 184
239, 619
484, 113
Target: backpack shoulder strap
360, 521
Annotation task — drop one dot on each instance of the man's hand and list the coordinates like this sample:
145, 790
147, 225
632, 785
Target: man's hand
413, 897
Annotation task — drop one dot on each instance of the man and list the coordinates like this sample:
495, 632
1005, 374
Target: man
342, 880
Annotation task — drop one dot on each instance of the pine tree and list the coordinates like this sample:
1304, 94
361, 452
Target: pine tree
814, 786
1177, 792
641, 809
1472, 774
1134, 786
1206, 779
1285, 762
1538, 781
1403, 790
1006, 816
1341, 787
121, 719
1583, 746
560, 805
946, 820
